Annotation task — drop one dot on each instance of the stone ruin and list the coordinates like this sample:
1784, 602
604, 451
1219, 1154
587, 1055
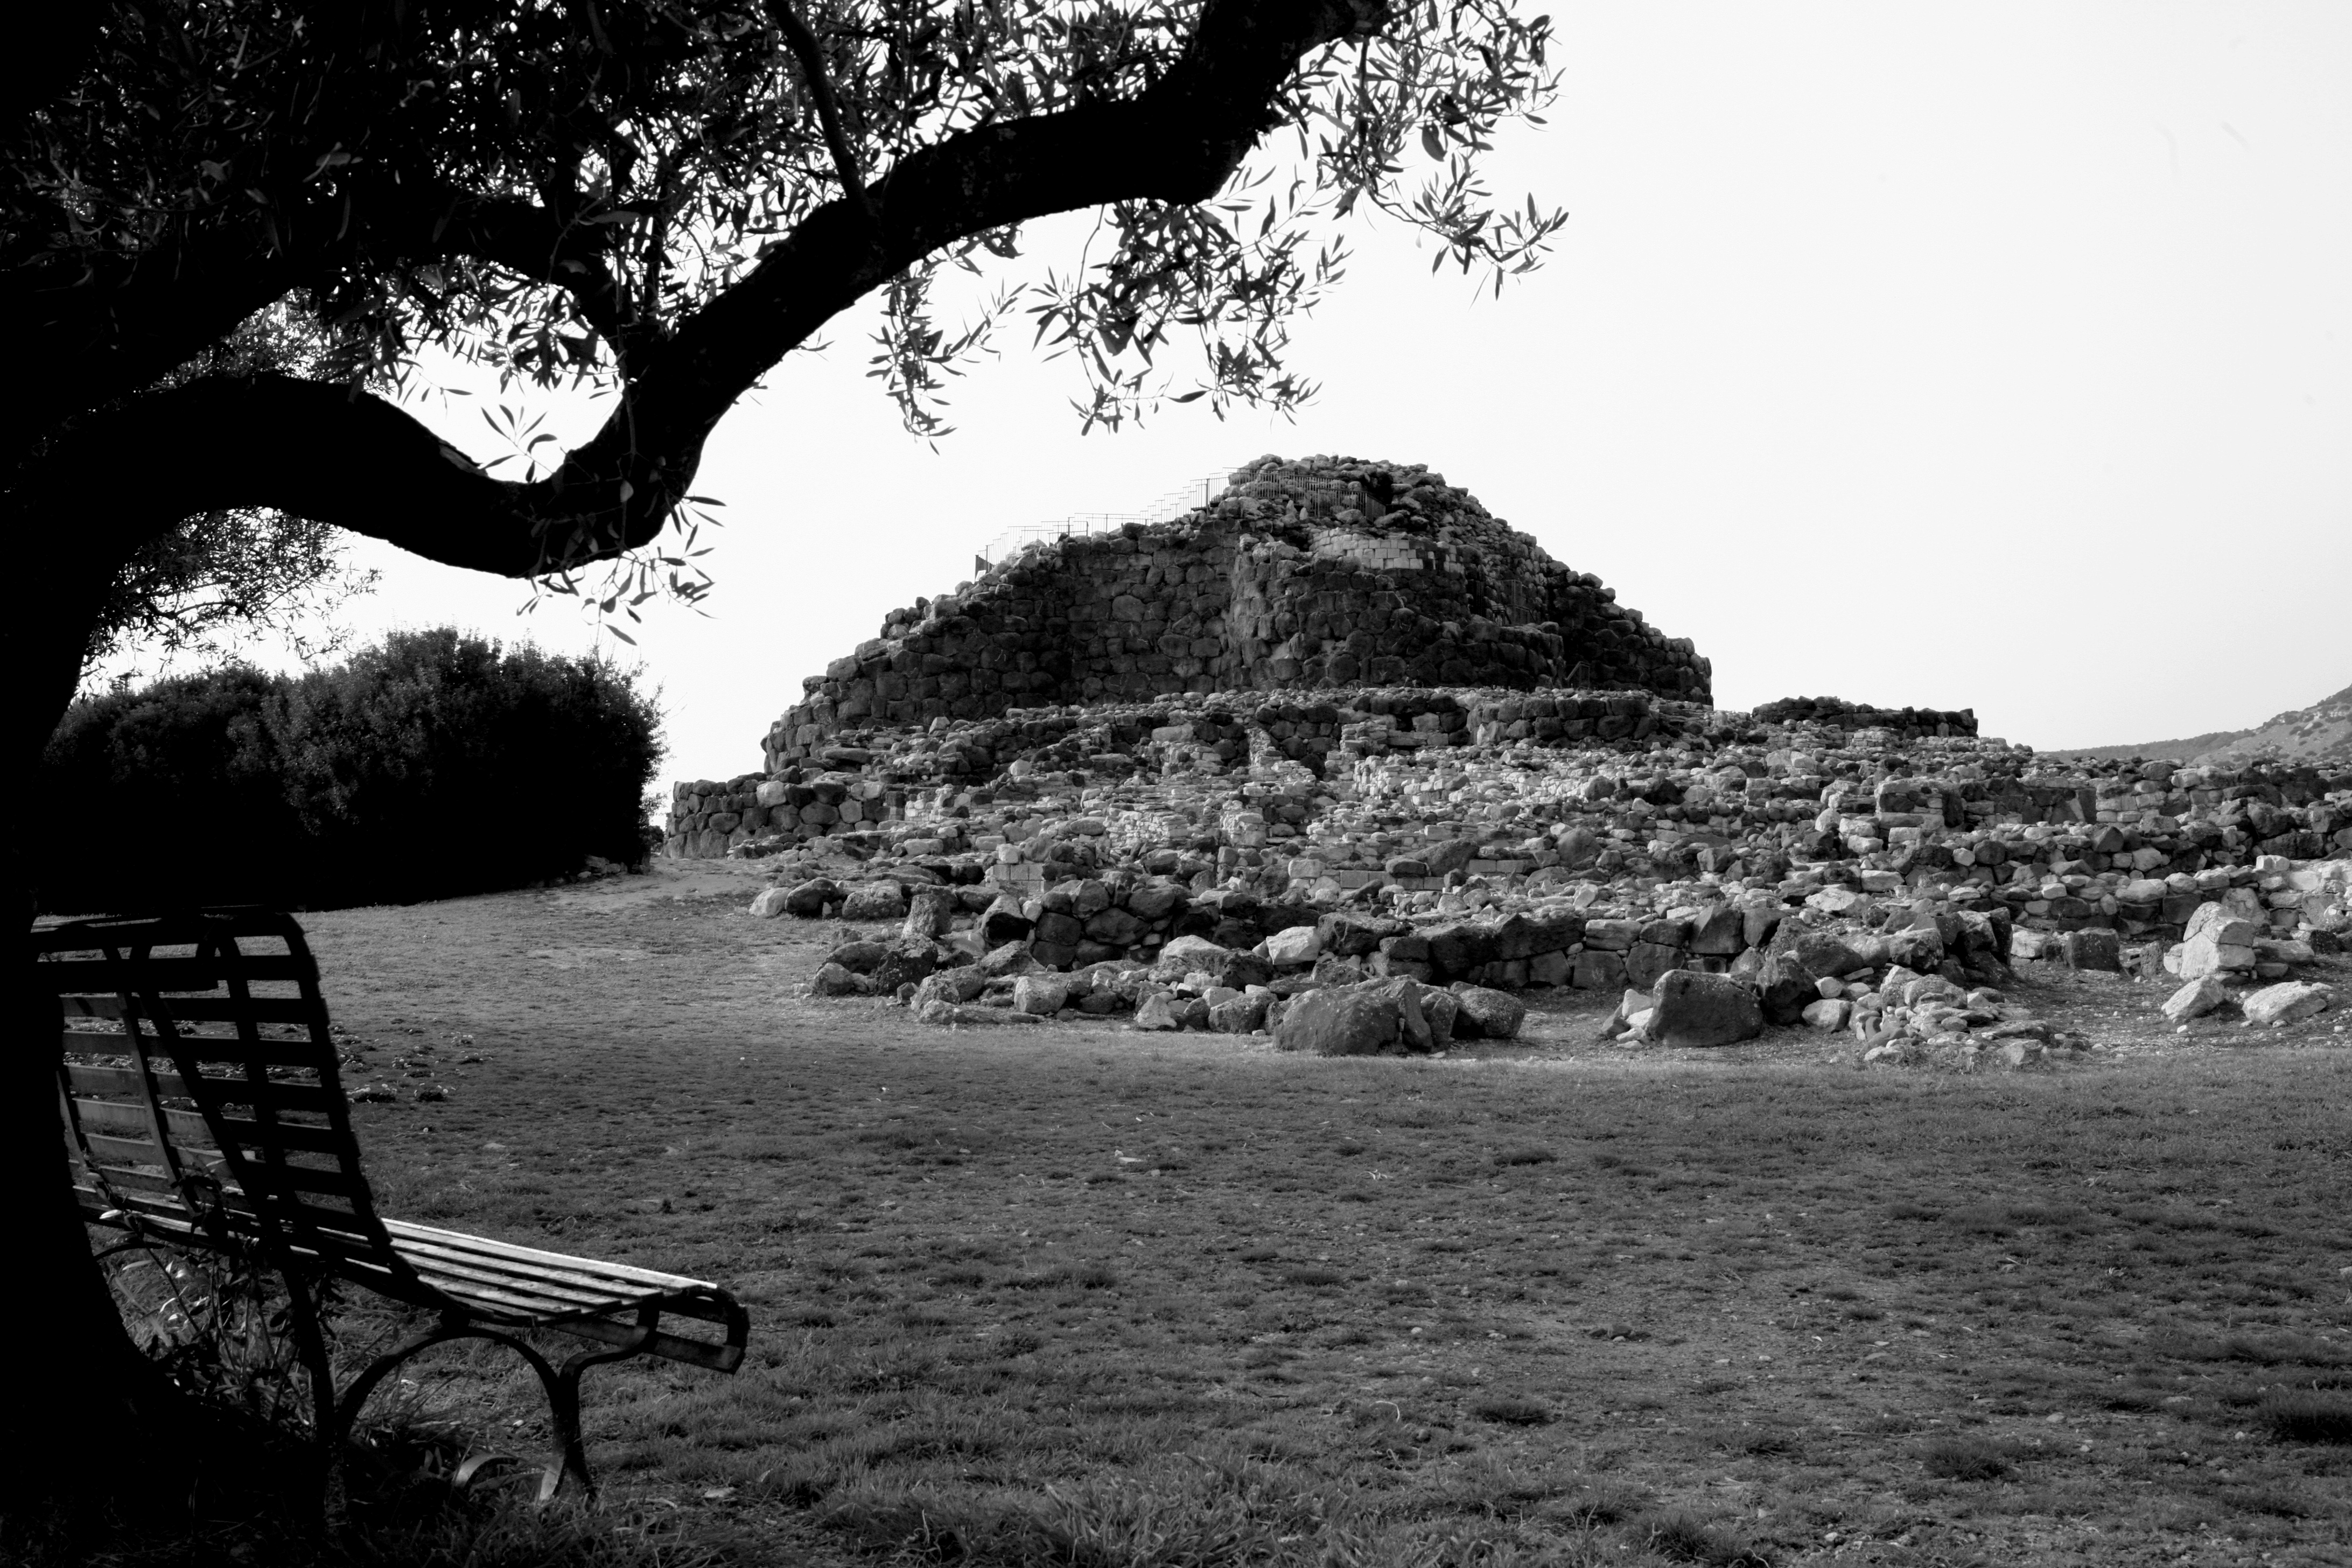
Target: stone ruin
1329, 573
1341, 757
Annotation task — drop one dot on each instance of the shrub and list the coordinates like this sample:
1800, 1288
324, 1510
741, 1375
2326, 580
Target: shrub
433, 765
169, 785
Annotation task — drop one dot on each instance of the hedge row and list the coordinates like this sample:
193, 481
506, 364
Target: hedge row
432, 765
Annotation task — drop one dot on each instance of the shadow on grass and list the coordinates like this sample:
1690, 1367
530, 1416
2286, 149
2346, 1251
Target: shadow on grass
2306, 1415
1235, 1512
257, 1504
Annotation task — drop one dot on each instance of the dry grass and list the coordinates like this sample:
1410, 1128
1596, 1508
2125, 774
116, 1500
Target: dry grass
1141, 1301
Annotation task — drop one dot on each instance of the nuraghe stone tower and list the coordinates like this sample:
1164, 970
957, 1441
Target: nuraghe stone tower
1309, 575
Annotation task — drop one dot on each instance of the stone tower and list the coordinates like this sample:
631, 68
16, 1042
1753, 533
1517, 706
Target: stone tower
1311, 574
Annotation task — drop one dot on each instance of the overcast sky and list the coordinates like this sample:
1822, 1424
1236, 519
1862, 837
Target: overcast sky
1984, 355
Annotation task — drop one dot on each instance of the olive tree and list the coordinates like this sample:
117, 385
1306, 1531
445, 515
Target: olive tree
661, 200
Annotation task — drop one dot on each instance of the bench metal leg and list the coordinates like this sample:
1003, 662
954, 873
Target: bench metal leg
347, 1414
562, 1386
567, 1407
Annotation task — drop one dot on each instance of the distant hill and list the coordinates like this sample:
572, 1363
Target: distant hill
2302, 734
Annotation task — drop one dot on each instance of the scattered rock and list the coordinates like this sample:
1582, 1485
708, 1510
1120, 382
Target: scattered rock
1341, 1021
1044, 994
2095, 948
1486, 1014
1695, 1009
875, 901
2289, 1003
2195, 999
833, 980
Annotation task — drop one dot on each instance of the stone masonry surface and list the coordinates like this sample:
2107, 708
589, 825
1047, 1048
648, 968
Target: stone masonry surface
1327, 572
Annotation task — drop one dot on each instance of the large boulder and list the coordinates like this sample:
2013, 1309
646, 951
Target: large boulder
875, 901
1487, 1015
1158, 1011
2288, 1003
1721, 933
1008, 958
771, 902
1186, 954
1443, 1010
1823, 955
1156, 899
1342, 1021
1351, 935
1296, 946
1003, 922
930, 913
1042, 993
832, 980
1404, 994
859, 957
2094, 947
809, 898
1114, 928
1695, 1009
1240, 1015
952, 987
905, 963
2196, 999
1785, 988
1457, 948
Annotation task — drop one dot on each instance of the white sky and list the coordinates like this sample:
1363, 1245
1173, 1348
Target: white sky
1985, 356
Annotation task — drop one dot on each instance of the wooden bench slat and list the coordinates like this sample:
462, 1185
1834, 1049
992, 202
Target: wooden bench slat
131, 1178
227, 1010
112, 1151
458, 1241
309, 1138
309, 1099
113, 1116
88, 1078
98, 976
670, 1347
187, 1005
290, 1178
222, 1071
536, 1295
582, 1273
602, 1294
207, 1047
168, 1220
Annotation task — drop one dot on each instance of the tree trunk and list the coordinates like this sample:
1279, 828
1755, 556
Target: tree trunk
85, 1412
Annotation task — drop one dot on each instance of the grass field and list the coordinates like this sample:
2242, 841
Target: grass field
1097, 1298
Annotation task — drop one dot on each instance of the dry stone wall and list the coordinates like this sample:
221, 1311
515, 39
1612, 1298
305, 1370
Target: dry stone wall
1322, 572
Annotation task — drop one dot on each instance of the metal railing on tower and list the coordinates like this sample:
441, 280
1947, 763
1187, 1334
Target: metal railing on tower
1175, 503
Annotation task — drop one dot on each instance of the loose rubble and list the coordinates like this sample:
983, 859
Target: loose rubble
1350, 869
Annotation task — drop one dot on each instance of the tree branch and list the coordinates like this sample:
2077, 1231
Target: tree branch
804, 48
358, 462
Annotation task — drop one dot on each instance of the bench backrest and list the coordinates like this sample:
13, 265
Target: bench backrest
199, 1091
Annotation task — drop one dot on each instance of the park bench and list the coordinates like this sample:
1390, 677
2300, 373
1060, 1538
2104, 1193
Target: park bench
203, 1111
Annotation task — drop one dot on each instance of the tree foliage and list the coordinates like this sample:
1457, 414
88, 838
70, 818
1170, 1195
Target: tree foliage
661, 198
